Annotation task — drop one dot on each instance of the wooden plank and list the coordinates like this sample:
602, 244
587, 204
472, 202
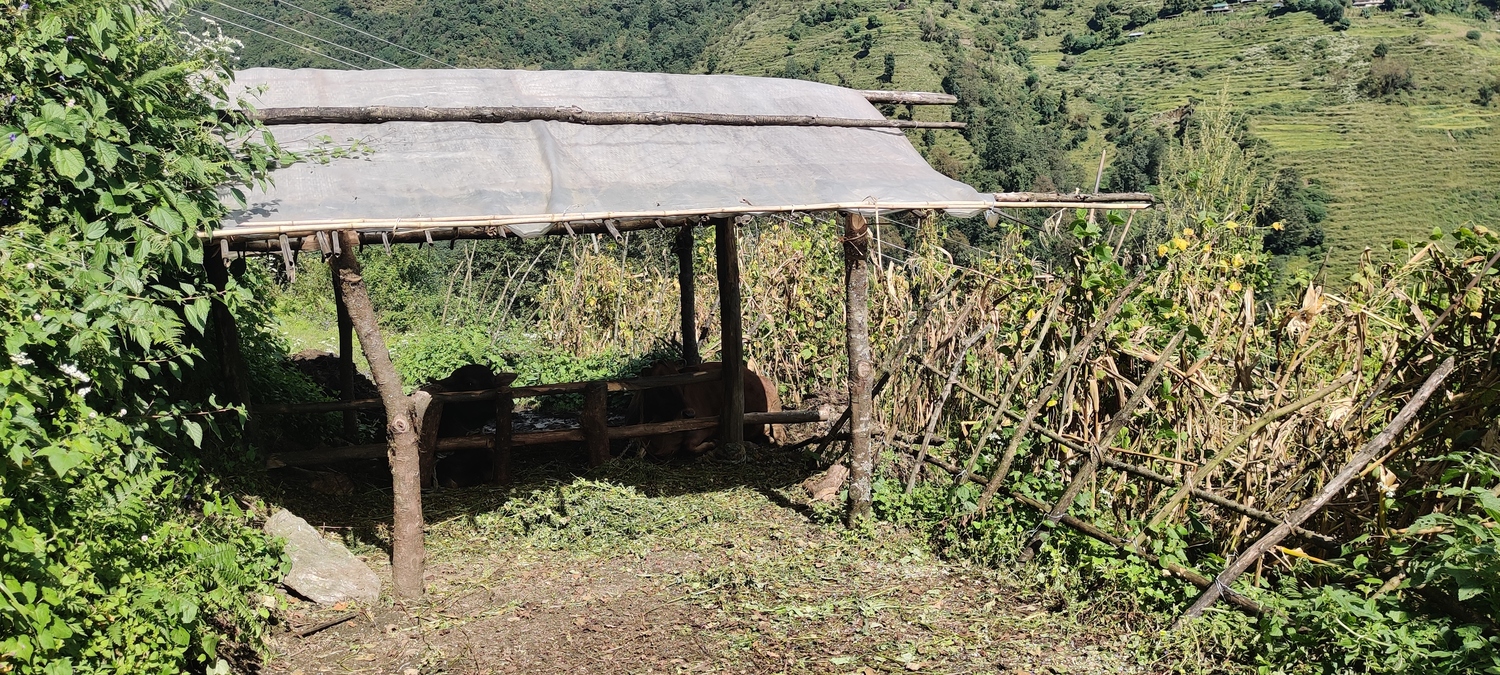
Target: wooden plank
632, 384
686, 297
861, 366
732, 351
500, 449
594, 420
527, 438
429, 410
379, 114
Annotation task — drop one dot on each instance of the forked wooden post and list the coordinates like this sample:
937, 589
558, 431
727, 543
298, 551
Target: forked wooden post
346, 359
688, 301
861, 366
594, 419
401, 425
732, 353
505, 405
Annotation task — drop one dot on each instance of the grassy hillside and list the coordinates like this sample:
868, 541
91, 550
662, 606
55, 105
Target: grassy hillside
1396, 166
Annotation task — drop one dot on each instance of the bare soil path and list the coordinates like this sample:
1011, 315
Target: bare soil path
702, 568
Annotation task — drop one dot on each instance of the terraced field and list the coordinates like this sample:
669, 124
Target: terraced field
1396, 167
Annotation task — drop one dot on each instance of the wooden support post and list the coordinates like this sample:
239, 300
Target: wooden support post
732, 352
505, 405
688, 301
1335, 485
861, 366
407, 551
232, 366
429, 410
594, 419
346, 357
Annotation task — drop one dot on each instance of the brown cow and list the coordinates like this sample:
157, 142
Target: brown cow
701, 400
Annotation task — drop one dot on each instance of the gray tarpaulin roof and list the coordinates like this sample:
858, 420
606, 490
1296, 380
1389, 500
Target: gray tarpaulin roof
529, 175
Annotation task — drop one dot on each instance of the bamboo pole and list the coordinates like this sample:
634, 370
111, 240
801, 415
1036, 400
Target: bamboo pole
908, 97
1096, 453
381, 114
857, 333
478, 226
732, 338
687, 298
1330, 490
401, 426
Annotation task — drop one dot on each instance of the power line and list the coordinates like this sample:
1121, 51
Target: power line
307, 35
211, 18
341, 24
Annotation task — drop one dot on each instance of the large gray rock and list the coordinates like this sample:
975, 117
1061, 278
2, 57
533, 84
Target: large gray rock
322, 571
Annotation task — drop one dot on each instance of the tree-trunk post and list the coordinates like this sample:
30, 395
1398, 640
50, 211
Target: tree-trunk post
732, 353
594, 419
401, 425
688, 301
861, 365
505, 405
346, 359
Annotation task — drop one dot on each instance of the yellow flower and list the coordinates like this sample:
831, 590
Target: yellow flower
1234, 286
1161, 250
1277, 226
1188, 232
1231, 225
1208, 247
1180, 243
1238, 260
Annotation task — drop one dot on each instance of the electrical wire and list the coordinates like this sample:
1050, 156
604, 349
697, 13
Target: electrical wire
307, 35
211, 18
341, 24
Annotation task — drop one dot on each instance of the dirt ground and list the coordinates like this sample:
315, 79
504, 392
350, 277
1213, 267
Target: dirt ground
698, 568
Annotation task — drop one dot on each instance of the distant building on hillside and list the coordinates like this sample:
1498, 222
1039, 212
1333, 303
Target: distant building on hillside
1368, 3
1218, 8
1135, 34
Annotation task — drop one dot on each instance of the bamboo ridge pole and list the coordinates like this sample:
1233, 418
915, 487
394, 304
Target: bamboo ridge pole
1330, 490
407, 551
381, 114
908, 97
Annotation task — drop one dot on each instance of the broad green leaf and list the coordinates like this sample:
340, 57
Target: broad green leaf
67, 161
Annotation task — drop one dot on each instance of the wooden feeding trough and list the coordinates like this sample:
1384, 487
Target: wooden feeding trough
482, 154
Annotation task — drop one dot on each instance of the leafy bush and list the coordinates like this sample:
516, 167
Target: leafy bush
117, 552
1473, 35
1388, 77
